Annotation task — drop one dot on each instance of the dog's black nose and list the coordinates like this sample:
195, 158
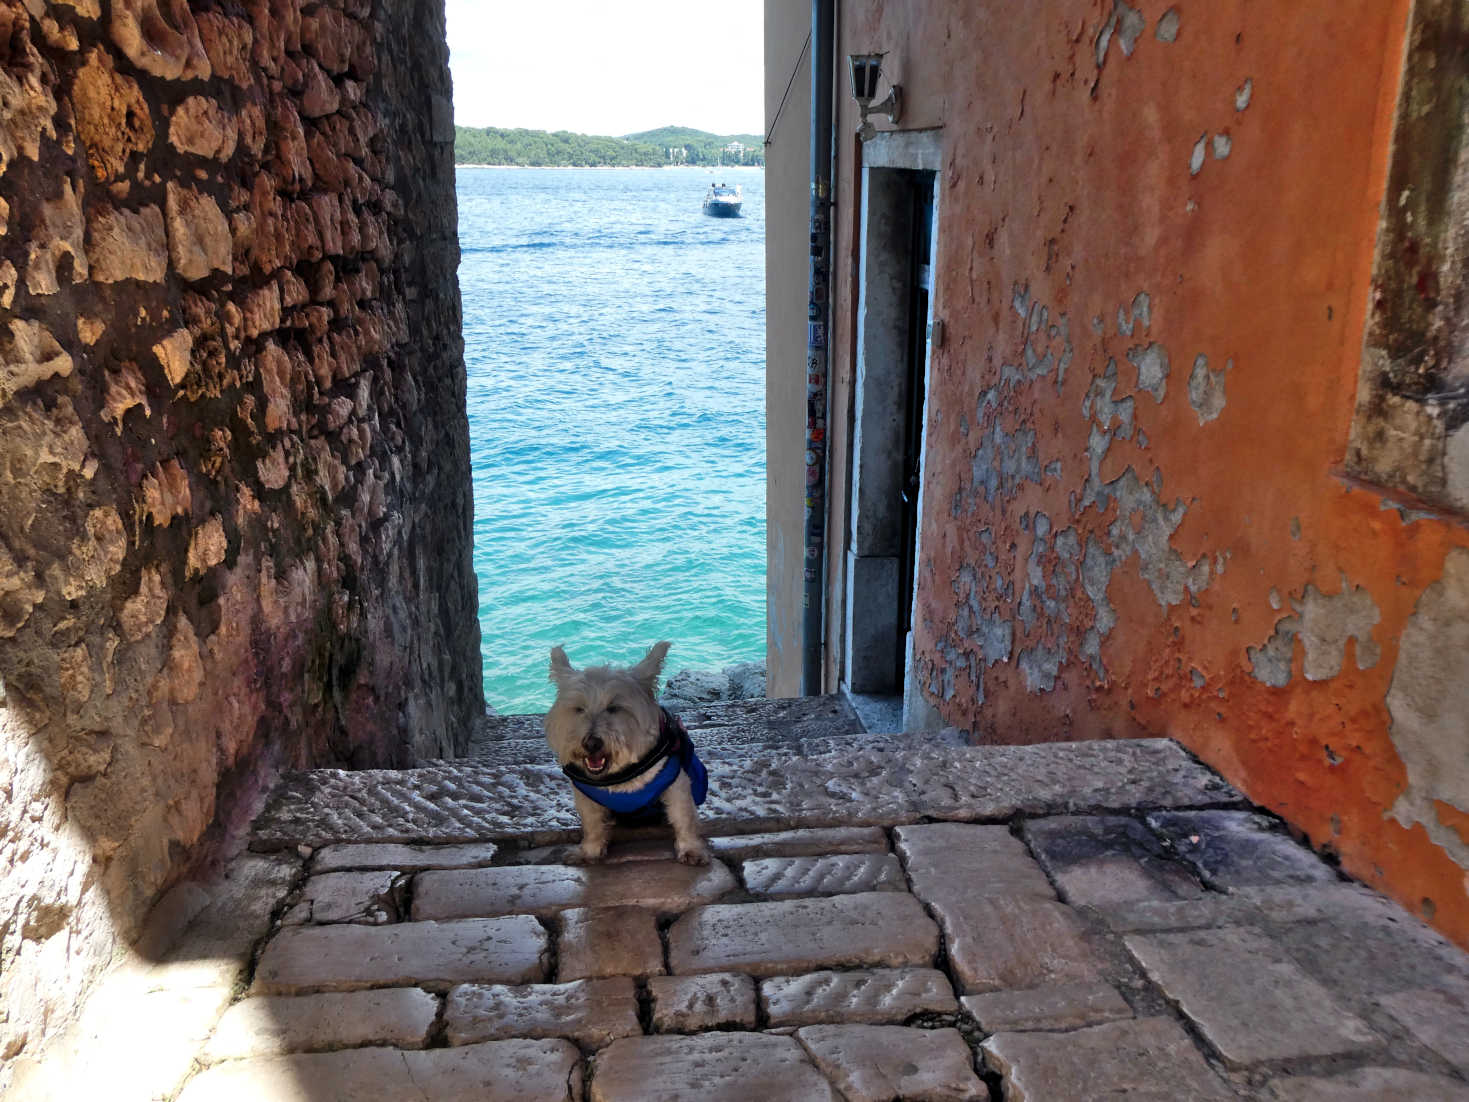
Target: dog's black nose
593, 744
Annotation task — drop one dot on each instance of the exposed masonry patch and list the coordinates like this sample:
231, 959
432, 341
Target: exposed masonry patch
1196, 158
1127, 24
1428, 700
1405, 514
1222, 145
1244, 93
1168, 26
1151, 362
1047, 343
1061, 560
1129, 317
1323, 623
1206, 389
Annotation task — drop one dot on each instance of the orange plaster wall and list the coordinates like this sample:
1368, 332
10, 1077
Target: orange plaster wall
1072, 181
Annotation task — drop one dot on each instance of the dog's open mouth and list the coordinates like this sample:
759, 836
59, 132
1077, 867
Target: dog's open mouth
596, 763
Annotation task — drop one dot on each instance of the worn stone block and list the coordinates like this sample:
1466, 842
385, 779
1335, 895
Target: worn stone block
608, 941
215, 947
1364, 952
800, 935
1209, 909
1250, 1001
126, 244
877, 1063
497, 1071
778, 877
1146, 1060
345, 958
408, 858
712, 1067
1369, 1085
689, 1004
952, 862
1060, 1006
199, 239
866, 995
1438, 1019
1232, 849
546, 889
459, 803
1002, 943
801, 843
1104, 859
368, 898
590, 1012
272, 1024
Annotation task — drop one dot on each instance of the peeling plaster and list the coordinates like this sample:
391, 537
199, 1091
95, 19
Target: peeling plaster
1168, 26
1127, 24
1428, 700
1196, 158
1206, 389
1151, 362
1323, 623
1244, 93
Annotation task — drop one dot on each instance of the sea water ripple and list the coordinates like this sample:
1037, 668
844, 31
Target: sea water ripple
614, 338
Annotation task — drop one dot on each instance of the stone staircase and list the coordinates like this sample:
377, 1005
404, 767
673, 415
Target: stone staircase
885, 916
800, 726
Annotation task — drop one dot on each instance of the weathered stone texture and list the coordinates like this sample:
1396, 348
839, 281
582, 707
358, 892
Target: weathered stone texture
284, 474
608, 941
271, 1024
764, 939
545, 889
1148, 1060
689, 1004
713, 1067
591, 1012
347, 958
777, 877
875, 1063
497, 1071
448, 802
1062, 1006
862, 995
1214, 977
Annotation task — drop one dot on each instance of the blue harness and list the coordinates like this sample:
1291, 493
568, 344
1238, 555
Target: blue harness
676, 752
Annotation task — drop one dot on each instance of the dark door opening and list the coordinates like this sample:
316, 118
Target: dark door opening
919, 284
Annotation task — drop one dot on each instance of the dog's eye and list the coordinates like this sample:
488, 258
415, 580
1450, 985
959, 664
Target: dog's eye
611, 708
578, 709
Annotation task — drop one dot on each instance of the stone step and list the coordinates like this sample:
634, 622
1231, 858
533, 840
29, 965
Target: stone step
723, 741
460, 801
801, 717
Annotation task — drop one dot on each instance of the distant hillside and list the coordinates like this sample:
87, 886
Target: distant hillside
542, 149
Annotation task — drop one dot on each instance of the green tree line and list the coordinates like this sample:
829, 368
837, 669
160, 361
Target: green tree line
546, 149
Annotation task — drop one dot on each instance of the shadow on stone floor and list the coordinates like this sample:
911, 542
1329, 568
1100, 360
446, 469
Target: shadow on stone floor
933, 921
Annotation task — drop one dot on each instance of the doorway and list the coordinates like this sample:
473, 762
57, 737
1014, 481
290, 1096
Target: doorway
894, 326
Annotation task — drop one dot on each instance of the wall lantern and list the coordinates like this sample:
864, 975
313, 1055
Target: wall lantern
866, 72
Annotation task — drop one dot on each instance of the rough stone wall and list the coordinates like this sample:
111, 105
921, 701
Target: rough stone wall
235, 511
1154, 272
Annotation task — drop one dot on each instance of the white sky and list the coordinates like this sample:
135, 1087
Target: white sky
608, 67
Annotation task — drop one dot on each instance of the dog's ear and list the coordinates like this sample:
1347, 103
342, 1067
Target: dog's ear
651, 666
560, 666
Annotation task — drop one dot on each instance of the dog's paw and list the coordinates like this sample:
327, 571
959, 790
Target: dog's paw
585, 857
698, 856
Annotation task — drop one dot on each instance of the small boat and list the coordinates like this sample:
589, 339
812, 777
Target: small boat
723, 201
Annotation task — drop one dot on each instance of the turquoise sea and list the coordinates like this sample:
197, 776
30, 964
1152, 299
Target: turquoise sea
615, 342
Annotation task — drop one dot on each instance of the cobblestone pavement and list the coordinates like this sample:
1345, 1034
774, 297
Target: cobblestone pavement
919, 921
